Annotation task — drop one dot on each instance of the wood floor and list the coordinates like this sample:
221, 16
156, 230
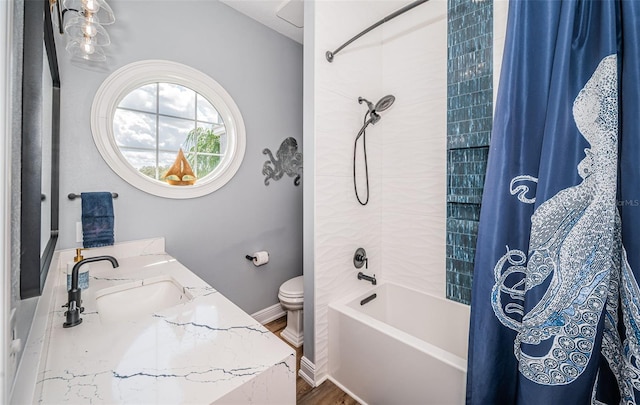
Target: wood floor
326, 393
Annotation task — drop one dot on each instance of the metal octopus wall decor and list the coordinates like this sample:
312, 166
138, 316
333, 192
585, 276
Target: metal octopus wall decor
287, 160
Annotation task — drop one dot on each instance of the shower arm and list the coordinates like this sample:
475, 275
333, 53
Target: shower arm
329, 55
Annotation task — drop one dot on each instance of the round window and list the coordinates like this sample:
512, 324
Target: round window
168, 129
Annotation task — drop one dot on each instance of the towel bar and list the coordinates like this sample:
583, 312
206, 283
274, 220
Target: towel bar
73, 196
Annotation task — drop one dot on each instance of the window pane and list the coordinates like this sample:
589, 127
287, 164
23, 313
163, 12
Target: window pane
208, 142
219, 129
177, 101
206, 112
204, 140
205, 125
134, 129
142, 99
206, 164
173, 132
223, 144
142, 161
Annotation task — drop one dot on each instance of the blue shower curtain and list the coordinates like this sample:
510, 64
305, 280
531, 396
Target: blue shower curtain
555, 311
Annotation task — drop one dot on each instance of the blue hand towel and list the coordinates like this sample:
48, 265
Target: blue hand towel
97, 219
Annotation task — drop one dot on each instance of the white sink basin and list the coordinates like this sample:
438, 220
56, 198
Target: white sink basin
132, 300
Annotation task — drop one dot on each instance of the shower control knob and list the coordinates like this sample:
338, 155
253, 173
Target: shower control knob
360, 259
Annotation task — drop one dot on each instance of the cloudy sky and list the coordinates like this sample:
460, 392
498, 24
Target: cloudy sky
160, 116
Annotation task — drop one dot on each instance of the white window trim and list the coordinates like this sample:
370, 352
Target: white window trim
137, 74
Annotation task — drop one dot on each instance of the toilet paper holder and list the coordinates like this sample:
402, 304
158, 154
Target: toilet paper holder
259, 258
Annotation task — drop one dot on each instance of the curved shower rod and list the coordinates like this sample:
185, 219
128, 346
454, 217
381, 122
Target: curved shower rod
391, 16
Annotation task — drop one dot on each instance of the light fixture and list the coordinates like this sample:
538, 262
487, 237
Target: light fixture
86, 50
84, 26
91, 8
79, 28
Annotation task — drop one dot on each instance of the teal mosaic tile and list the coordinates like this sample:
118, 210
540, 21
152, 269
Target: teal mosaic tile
469, 122
463, 211
458, 293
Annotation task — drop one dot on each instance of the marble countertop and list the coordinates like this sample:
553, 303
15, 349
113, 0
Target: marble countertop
199, 351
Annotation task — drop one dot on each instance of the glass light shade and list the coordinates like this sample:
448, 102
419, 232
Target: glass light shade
78, 28
86, 50
96, 9
91, 6
103, 11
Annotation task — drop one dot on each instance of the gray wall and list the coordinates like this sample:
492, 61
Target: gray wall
262, 70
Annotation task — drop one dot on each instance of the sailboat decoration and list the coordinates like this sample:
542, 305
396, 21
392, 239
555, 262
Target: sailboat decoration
180, 173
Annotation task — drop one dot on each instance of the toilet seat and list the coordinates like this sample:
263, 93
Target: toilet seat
293, 288
290, 298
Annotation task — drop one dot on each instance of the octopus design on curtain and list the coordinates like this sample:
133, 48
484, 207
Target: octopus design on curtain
576, 239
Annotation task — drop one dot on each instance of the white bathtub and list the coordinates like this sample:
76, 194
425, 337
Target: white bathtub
403, 347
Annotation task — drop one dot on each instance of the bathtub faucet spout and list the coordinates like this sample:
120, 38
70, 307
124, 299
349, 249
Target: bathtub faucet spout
372, 279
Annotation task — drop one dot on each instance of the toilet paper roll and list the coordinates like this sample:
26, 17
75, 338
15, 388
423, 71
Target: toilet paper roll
260, 258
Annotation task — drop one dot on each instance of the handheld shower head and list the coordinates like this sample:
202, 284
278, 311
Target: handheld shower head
373, 117
384, 103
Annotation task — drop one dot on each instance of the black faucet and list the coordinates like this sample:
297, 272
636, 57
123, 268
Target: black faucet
73, 304
362, 276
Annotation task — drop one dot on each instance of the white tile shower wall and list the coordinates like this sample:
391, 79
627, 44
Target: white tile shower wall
414, 60
341, 224
402, 228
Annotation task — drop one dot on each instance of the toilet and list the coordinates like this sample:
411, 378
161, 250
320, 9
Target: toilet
291, 298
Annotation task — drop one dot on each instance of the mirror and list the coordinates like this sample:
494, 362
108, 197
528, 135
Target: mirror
40, 149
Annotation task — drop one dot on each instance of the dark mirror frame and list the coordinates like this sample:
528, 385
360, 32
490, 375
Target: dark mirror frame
38, 33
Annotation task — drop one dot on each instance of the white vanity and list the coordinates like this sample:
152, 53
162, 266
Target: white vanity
152, 333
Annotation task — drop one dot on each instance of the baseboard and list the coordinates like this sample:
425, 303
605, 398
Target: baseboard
307, 371
347, 391
269, 314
